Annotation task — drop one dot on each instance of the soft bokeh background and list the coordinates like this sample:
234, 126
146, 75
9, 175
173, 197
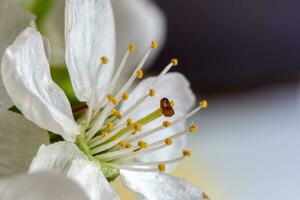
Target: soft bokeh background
243, 56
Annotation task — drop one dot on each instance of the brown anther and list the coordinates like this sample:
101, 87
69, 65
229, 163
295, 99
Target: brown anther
166, 107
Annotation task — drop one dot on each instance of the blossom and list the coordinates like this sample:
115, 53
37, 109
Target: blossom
40, 186
137, 134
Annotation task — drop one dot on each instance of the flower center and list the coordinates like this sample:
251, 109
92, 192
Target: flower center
114, 140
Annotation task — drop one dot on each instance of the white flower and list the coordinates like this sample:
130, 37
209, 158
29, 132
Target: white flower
101, 142
40, 186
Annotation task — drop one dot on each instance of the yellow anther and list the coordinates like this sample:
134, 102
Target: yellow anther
115, 101
133, 133
193, 128
139, 74
104, 60
174, 61
110, 97
129, 122
162, 167
142, 144
167, 123
104, 133
151, 92
116, 114
172, 103
128, 145
203, 104
137, 127
125, 96
132, 48
122, 143
168, 141
154, 44
186, 153
110, 126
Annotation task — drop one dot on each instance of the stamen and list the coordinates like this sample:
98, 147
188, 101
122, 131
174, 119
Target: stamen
129, 122
167, 124
151, 92
203, 104
139, 74
116, 114
104, 60
193, 128
125, 96
168, 141
137, 127
132, 48
154, 44
162, 167
110, 126
131, 168
186, 153
143, 144
174, 61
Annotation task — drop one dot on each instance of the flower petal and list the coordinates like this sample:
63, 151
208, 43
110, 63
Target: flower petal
89, 34
138, 22
56, 157
26, 77
175, 87
40, 186
89, 175
155, 185
19, 141
13, 19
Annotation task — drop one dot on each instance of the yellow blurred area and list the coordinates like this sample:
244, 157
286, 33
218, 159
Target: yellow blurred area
186, 169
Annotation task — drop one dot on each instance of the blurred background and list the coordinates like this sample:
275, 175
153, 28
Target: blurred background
243, 56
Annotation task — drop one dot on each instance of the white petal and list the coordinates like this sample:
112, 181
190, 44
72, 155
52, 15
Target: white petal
157, 186
89, 175
139, 22
19, 141
90, 34
40, 186
26, 77
56, 157
13, 19
175, 87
